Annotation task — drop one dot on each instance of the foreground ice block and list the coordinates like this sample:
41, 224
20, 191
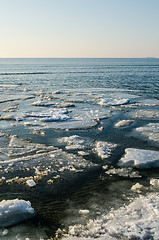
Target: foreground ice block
14, 211
139, 158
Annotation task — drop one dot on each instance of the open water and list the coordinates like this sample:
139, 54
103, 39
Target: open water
58, 127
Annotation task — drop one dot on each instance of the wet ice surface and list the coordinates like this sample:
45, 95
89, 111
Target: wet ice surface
51, 142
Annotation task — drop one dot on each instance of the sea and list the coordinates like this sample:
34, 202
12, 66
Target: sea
79, 143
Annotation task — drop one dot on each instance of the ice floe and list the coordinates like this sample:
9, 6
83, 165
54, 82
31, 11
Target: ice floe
113, 102
137, 220
14, 211
123, 123
104, 149
139, 158
149, 131
76, 142
150, 114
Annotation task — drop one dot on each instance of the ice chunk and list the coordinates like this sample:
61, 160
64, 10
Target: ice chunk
137, 187
113, 102
139, 158
31, 183
76, 142
104, 149
83, 211
124, 123
154, 182
14, 211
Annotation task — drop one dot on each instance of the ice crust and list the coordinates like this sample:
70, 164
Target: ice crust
14, 211
138, 220
139, 158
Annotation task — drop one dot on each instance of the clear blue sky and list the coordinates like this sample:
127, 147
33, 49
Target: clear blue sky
79, 28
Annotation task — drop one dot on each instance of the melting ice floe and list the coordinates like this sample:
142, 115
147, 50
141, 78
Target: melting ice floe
139, 158
150, 131
64, 119
138, 220
76, 142
14, 211
124, 123
150, 114
113, 102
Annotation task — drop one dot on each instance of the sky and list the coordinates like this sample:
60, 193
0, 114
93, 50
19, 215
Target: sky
79, 28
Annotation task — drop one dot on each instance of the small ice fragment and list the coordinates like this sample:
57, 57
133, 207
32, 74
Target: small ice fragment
31, 183
124, 123
104, 149
154, 182
137, 187
83, 211
82, 153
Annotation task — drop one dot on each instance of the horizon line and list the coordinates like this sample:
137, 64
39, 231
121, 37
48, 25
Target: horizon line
79, 57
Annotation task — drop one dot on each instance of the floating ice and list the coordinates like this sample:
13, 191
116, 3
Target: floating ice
150, 114
137, 187
154, 182
83, 211
138, 220
123, 172
104, 149
76, 142
139, 158
31, 183
150, 131
14, 211
124, 123
40, 103
113, 102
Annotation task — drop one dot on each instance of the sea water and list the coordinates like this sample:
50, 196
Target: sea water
79, 141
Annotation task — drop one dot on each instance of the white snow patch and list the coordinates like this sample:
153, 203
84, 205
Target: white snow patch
139, 158
14, 211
